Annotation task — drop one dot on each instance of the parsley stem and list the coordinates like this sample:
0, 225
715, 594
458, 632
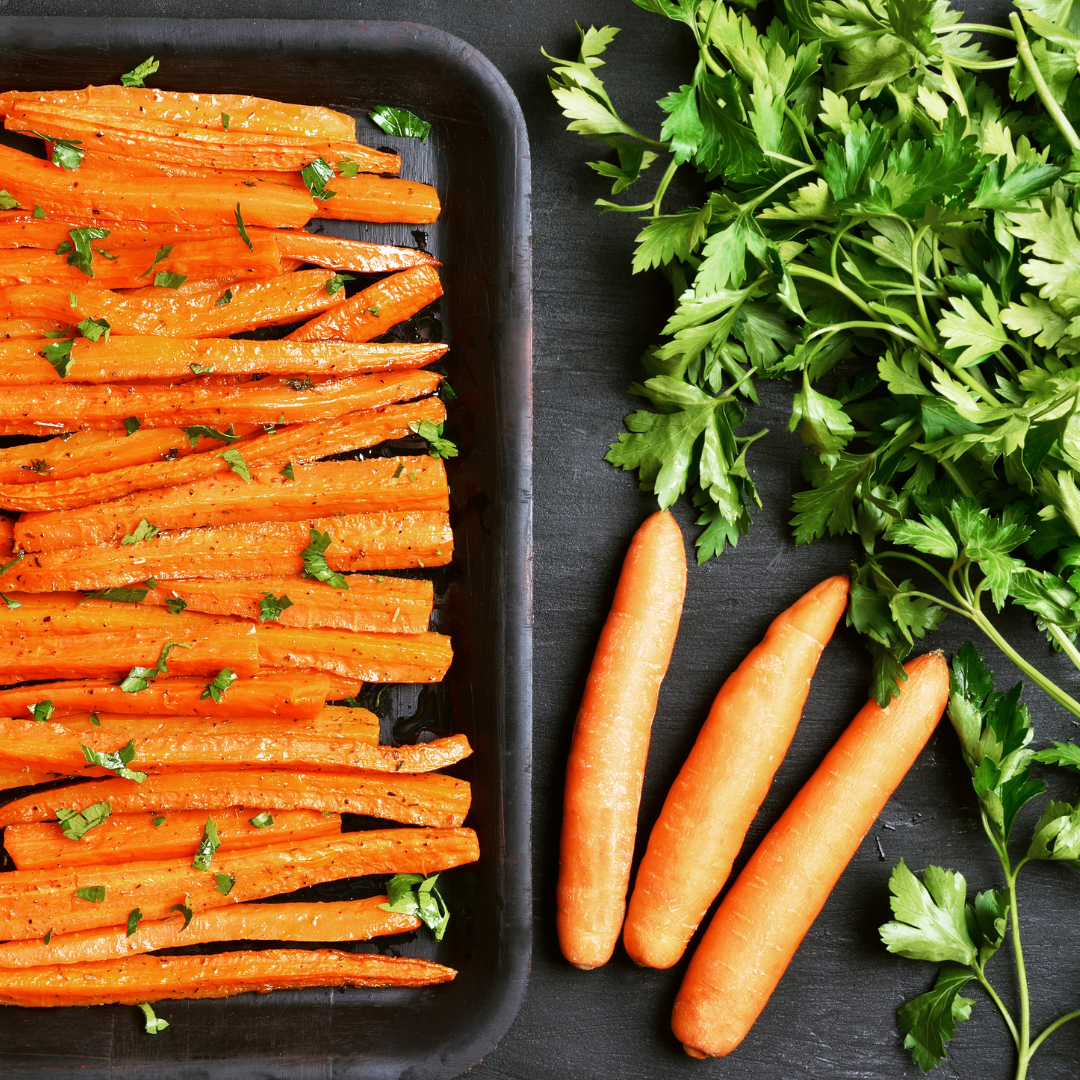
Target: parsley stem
1045, 96
755, 202
1049, 1030
1021, 978
661, 191
978, 28
1066, 646
827, 279
916, 243
981, 65
802, 133
1006, 1015
783, 157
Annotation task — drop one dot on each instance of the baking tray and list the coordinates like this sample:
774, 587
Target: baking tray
477, 157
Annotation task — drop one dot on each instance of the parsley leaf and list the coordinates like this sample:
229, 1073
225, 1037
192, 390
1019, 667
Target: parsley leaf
209, 843
241, 228
75, 824
175, 604
169, 281
7, 202
133, 920
235, 460
143, 531
400, 122
438, 447
262, 821
316, 175
138, 75
224, 883
118, 595
200, 431
271, 607
43, 711
415, 894
95, 894
225, 298
154, 1023
215, 689
337, 283
59, 355
314, 558
161, 253
116, 762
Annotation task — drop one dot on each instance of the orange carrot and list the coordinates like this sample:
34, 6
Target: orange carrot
7, 540
359, 256
376, 198
726, 777
124, 838
611, 741
377, 308
776, 898
32, 901
296, 697
383, 541
139, 979
13, 778
429, 798
344, 920
266, 494
13, 329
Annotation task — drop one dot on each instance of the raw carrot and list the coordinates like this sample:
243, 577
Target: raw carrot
377, 198
138, 979
611, 741
429, 798
127, 838
32, 901
13, 778
267, 401
298, 697
374, 310
115, 194
323, 489
344, 920
768, 911
378, 603
729, 771
384, 541
334, 253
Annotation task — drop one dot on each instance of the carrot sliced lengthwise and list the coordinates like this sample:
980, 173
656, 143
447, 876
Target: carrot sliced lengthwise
716, 795
415, 798
296, 697
267, 401
298, 443
124, 838
140, 979
381, 199
35, 182
768, 911
345, 920
384, 541
374, 310
335, 253
606, 768
321, 489
14, 778
32, 901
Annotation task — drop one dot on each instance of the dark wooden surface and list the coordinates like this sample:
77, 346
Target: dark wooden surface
834, 1013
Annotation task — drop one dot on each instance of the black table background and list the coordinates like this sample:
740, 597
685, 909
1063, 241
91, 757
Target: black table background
834, 1012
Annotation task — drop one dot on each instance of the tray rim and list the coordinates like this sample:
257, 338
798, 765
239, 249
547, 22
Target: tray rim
516, 558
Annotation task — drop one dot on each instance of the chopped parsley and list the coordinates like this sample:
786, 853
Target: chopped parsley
315, 564
216, 688
209, 843
43, 711
316, 175
225, 298
161, 253
132, 424
143, 531
116, 762
401, 122
337, 283
94, 893
287, 471
271, 607
137, 75
133, 920
94, 329
175, 604
235, 460
166, 280
202, 369
200, 431
262, 821
415, 894
438, 447
59, 355
241, 229
224, 883
77, 823
7, 202
154, 1023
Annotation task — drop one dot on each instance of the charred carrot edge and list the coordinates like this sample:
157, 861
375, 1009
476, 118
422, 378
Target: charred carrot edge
300, 444
377, 308
726, 777
115, 653
31, 901
343, 920
385, 541
324, 489
611, 742
144, 358
371, 602
774, 901
375, 198
139, 979
298, 697
14, 778
58, 748
35, 182
358, 256
128, 838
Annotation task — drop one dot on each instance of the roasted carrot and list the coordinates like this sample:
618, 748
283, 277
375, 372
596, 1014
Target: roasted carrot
344, 920
376, 198
14, 329
341, 688
611, 741
358, 256
298, 697
114, 194
7, 540
429, 798
267, 401
729, 771
374, 310
379, 603
20, 229
13, 778
266, 494
129, 838
138, 979
385, 541
32, 901
144, 358
776, 898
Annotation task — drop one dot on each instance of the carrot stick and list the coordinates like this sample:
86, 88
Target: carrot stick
299, 443
378, 603
141, 358
323, 489
776, 898
221, 744
7, 539
726, 777
341, 688
139, 979
128, 838
374, 310
377, 198
62, 614
296, 697
115, 194
32, 901
611, 741
268, 401
358, 256
384, 541
14, 329
19, 229
245, 113
13, 778
344, 920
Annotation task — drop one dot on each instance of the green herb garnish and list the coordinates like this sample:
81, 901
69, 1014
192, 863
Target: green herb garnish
143, 531
94, 893
75, 824
401, 122
154, 1024
207, 846
262, 821
314, 557
271, 606
216, 688
137, 75
235, 460
159, 255
438, 447
118, 761
415, 894
241, 229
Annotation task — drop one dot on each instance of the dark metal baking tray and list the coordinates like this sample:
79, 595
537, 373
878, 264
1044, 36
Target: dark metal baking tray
478, 158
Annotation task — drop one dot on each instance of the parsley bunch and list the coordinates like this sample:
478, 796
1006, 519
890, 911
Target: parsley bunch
899, 240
